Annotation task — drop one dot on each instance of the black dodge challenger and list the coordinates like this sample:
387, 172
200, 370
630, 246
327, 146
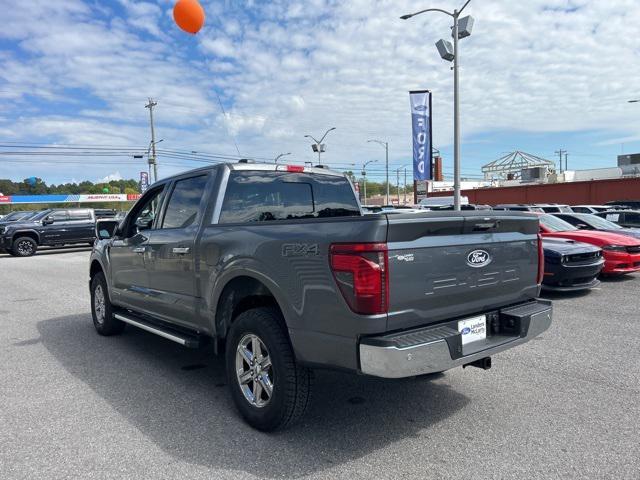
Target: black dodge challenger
570, 266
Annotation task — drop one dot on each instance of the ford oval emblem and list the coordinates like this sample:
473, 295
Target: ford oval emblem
478, 258
465, 331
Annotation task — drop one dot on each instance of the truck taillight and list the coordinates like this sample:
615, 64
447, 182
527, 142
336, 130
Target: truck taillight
540, 260
361, 272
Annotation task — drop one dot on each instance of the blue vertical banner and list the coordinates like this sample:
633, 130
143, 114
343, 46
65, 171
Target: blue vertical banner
422, 139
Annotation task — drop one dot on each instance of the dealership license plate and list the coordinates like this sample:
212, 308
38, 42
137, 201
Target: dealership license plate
473, 329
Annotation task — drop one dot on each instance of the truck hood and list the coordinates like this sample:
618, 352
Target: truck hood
21, 224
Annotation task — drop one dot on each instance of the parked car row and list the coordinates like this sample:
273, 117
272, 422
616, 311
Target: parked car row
22, 233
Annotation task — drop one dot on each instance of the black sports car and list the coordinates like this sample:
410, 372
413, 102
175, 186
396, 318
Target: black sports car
570, 266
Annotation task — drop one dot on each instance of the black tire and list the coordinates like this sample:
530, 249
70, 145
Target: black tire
24, 247
102, 310
291, 383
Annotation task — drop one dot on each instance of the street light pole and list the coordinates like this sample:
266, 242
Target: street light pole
319, 146
275, 160
364, 174
386, 149
446, 54
456, 117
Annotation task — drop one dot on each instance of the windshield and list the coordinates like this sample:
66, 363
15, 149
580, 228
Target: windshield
40, 215
599, 223
555, 224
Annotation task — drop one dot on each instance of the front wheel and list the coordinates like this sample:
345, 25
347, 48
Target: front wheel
102, 310
268, 387
24, 247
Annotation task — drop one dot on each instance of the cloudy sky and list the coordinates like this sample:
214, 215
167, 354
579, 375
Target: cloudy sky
536, 75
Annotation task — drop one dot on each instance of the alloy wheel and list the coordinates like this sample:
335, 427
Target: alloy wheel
254, 371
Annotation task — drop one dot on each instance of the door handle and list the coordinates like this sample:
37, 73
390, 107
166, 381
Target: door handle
140, 249
180, 250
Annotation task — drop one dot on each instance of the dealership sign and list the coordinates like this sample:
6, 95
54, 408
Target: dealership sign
85, 198
421, 123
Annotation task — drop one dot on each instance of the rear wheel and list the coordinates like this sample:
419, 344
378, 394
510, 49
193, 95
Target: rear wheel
102, 310
24, 247
268, 387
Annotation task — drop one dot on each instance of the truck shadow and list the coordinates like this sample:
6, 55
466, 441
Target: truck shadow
178, 398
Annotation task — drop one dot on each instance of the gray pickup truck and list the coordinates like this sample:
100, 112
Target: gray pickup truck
278, 266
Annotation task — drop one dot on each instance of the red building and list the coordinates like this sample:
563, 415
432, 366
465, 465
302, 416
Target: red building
593, 192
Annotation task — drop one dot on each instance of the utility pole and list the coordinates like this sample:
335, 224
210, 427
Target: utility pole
560, 153
152, 158
398, 182
566, 161
405, 186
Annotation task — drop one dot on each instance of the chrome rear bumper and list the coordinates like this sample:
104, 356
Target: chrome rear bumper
439, 348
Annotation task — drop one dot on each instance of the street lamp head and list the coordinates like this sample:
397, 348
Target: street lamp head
465, 26
445, 49
634, 101
406, 17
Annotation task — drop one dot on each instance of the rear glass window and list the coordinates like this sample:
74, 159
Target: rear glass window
258, 196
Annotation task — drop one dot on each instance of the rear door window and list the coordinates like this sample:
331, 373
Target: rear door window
79, 215
258, 196
59, 216
184, 203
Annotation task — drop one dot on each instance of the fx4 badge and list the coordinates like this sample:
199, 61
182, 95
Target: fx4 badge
478, 258
299, 249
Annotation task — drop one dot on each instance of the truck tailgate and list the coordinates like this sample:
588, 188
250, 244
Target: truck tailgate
446, 265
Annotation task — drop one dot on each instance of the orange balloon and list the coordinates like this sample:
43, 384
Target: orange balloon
189, 15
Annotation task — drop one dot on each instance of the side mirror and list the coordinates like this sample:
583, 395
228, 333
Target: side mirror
106, 229
47, 221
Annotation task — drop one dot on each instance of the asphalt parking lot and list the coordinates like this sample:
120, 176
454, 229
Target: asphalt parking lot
77, 405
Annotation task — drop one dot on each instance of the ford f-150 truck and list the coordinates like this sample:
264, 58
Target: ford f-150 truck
278, 265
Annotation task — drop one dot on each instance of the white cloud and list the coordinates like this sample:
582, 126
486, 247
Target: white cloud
109, 178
